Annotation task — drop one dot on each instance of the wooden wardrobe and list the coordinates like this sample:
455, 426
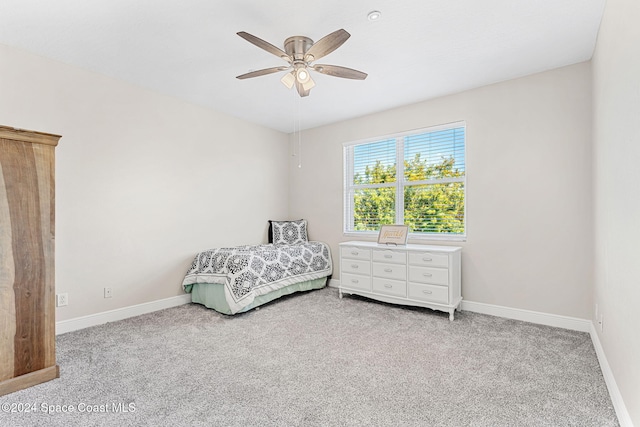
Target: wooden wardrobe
27, 290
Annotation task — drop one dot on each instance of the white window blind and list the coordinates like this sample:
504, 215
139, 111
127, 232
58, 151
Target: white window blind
425, 191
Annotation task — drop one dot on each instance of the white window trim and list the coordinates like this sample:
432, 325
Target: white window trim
347, 168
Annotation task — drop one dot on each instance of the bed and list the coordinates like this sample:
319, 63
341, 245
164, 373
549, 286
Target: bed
236, 279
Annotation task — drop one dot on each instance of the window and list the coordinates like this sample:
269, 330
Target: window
426, 190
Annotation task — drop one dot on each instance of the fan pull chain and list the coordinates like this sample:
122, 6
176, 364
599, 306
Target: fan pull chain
295, 124
299, 135
297, 127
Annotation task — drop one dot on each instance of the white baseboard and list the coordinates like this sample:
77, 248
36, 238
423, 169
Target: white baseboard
614, 392
573, 323
77, 323
65, 326
333, 283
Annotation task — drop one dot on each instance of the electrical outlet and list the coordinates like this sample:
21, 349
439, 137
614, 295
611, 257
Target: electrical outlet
62, 300
601, 322
107, 293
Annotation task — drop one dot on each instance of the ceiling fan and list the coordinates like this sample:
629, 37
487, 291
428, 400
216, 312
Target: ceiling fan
300, 52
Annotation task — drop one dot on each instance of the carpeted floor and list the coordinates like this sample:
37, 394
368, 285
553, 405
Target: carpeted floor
313, 359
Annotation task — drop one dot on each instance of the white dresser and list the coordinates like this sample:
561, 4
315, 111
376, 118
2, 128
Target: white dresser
419, 275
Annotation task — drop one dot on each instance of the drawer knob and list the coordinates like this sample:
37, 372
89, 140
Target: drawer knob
427, 292
427, 259
427, 274
354, 281
388, 270
354, 252
388, 286
388, 256
354, 265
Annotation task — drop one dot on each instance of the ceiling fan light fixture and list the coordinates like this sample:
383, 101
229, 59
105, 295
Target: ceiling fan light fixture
288, 80
308, 85
302, 75
374, 15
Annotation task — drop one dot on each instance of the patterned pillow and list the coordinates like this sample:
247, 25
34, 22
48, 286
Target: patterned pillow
288, 232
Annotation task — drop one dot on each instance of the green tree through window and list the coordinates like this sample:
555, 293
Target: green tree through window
429, 195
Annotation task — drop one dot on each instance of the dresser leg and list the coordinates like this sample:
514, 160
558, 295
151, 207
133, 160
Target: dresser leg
451, 314
340, 293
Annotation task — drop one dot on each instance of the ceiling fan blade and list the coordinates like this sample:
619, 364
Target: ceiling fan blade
336, 71
326, 45
264, 45
262, 72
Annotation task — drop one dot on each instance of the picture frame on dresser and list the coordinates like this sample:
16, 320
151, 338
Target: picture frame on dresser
393, 234
417, 275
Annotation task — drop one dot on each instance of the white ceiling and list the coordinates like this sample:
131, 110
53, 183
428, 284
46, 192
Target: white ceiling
419, 49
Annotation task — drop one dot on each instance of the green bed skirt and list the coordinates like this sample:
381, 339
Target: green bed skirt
211, 295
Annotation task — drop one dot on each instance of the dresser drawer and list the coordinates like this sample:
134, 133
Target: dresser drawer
389, 255
353, 252
433, 276
390, 271
356, 266
355, 281
396, 288
428, 259
431, 293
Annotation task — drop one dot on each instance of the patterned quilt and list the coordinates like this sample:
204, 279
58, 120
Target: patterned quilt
249, 271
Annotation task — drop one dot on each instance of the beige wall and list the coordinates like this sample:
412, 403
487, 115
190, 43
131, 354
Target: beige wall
528, 186
144, 181
616, 89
